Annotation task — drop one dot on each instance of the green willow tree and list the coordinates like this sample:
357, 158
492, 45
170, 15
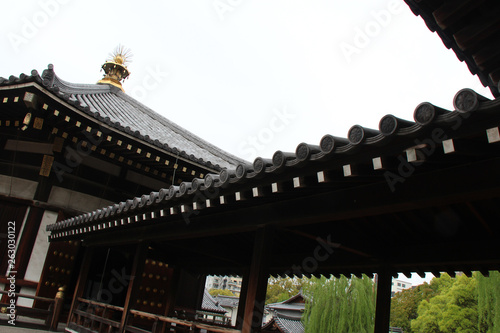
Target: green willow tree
489, 302
340, 305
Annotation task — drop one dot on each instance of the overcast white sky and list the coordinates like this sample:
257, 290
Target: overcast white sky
249, 76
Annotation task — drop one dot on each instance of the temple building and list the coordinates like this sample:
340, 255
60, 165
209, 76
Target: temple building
138, 211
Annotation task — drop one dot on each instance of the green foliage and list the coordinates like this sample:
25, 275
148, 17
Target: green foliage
281, 289
453, 309
223, 292
404, 305
340, 305
489, 302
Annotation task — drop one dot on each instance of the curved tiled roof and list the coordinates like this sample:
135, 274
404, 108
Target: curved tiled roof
289, 325
210, 304
393, 137
112, 106
285, 324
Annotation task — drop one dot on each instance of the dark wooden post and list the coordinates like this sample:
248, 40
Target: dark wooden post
242, 300
135, 276
82, 280
58, 305
383, 304
257, 284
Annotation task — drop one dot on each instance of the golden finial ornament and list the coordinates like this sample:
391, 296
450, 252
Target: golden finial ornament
115, 67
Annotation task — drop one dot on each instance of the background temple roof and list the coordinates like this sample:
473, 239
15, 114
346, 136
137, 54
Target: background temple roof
210, 304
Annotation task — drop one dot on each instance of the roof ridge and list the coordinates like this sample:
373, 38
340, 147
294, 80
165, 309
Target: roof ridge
50, 79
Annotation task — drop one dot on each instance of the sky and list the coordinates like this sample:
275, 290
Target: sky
251, 77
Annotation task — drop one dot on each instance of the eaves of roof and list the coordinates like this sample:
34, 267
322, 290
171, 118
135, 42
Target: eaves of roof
293, 303
287, 306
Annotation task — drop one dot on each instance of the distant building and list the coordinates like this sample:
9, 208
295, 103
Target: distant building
231, 283
399, 285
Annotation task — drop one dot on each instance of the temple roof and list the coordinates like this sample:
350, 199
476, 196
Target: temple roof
295, 303
292, 307
112, 106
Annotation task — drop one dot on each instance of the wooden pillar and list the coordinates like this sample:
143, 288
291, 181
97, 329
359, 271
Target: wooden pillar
383, 305
135, 276
257, 284
242, 300
82, 280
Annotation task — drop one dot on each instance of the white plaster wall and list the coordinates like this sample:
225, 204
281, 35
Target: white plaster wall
37, 259
17, 187
233, 315
28, 302
65, 198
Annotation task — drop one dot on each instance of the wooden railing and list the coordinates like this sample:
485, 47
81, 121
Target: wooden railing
219, 319
51, 315
90, 317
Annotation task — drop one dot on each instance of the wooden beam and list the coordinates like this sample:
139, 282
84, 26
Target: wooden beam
330, 244
257, 283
